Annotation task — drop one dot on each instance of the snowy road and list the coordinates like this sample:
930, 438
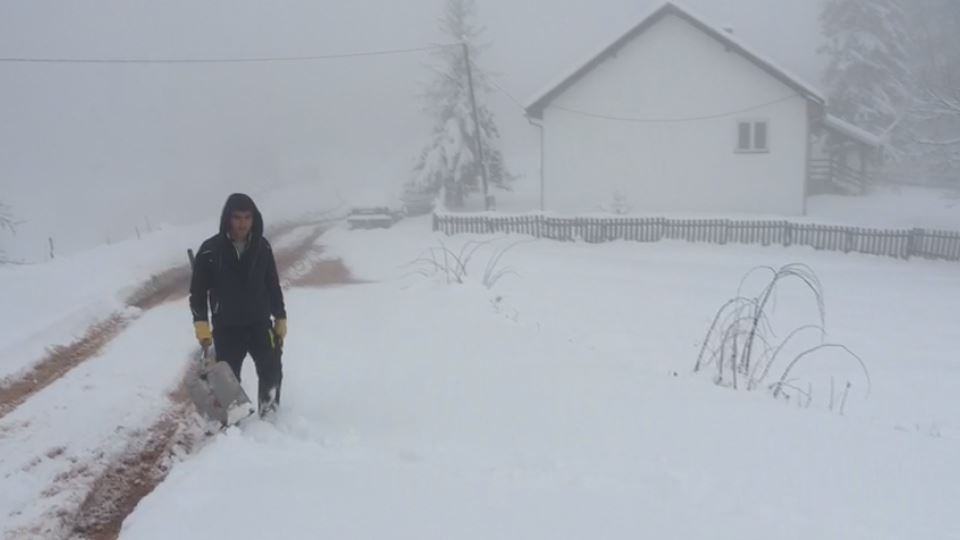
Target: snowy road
73, 444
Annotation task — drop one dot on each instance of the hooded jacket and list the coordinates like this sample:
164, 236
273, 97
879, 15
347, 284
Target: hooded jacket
239, 289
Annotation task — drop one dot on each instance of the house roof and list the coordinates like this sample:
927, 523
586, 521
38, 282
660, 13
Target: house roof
851, 131
536, 105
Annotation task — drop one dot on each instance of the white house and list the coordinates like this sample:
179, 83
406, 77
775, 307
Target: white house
676, 115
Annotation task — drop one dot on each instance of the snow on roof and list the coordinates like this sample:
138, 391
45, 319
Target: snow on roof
856, 133
540, 101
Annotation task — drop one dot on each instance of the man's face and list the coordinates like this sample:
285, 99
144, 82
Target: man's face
240, 224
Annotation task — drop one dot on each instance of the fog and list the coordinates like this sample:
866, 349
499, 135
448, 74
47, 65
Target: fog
89, 151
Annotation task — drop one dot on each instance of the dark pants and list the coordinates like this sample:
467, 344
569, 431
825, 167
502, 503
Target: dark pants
234, 342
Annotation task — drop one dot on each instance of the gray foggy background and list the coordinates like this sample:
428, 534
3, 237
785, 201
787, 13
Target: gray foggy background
89, 151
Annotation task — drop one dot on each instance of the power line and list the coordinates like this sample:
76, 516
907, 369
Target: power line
265, 59
386, 52
508, 94
490, 78
492, 81
654, 120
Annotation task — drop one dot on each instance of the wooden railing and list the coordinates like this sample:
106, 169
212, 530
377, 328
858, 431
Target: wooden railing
825, 174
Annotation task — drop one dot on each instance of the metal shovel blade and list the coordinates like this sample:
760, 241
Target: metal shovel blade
217, 393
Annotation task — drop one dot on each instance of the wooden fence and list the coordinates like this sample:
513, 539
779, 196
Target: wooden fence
903, 244
828, 175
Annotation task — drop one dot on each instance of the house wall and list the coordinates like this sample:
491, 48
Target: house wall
673, 70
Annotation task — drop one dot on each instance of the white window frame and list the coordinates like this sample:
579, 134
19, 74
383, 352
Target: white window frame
751, 147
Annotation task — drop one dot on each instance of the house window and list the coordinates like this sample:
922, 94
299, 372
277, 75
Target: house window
752, 137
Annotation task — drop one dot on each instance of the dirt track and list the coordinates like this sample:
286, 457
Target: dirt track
170, 284
144, 465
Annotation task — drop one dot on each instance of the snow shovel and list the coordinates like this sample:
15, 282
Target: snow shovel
216, 392
213, 387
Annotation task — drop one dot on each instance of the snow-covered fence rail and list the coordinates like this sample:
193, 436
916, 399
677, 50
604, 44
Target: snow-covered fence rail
899, 243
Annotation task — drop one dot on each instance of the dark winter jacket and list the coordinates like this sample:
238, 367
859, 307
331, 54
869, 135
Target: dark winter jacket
241, 289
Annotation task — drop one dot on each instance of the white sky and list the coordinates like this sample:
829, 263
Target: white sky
170, 141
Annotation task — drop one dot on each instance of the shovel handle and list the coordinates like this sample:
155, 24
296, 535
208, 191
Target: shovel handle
204, 360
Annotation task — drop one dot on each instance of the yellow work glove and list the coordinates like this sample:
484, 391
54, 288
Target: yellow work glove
204, 336
280, 328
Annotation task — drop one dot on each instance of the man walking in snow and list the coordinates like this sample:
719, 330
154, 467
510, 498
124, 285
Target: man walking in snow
235, 274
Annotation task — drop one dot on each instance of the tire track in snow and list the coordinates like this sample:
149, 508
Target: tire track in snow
60, 360
140, 469
170, 284
114, 485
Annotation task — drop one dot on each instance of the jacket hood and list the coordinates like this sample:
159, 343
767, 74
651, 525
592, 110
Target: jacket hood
243, 203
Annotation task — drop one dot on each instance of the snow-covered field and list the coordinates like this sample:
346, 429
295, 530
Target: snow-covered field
559, 403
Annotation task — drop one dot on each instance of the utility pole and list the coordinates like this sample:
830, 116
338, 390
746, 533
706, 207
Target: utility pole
476, 126
542, 161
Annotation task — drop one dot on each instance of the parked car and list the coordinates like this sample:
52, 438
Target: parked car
373, 217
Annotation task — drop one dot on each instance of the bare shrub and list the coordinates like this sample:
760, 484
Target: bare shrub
452, 265
744, 352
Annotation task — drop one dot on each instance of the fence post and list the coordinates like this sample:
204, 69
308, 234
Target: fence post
50, 241
436, 225
913, 242
787, 234
848, 241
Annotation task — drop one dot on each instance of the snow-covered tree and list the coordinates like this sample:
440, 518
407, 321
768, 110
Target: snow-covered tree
934, 124
450, 160
6, 218
868, 77
7, 223
894, 69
